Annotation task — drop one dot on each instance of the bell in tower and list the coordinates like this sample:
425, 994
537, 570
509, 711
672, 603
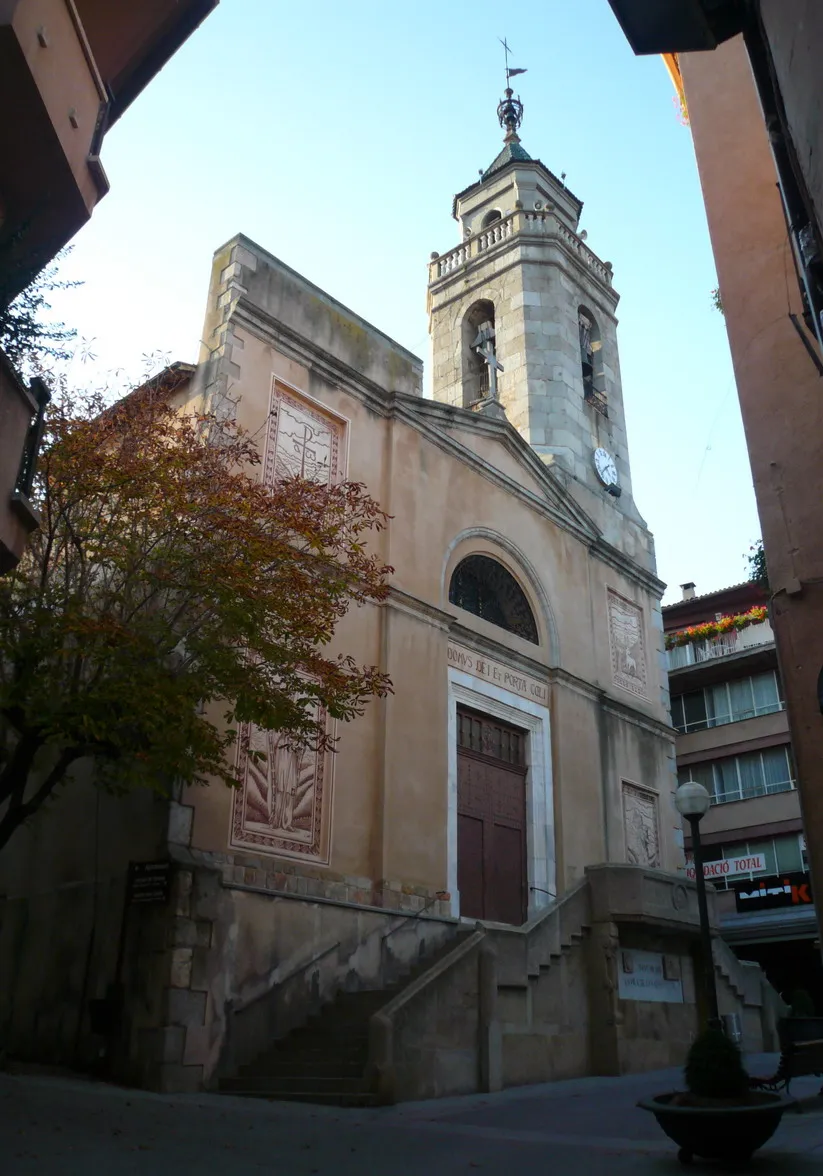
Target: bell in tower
522, 315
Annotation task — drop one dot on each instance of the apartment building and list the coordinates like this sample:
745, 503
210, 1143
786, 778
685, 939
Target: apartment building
729, 710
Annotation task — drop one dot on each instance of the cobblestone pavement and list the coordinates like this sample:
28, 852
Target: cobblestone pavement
586, 1127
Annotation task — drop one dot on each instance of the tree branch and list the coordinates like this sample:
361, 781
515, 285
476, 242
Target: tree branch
18, 812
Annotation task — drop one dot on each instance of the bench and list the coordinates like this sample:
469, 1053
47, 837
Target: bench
801, 1052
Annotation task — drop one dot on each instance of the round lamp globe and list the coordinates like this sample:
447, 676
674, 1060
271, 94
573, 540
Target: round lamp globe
692, 799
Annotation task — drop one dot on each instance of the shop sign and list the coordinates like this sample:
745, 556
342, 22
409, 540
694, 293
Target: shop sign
647, 975
775, 892
753, 863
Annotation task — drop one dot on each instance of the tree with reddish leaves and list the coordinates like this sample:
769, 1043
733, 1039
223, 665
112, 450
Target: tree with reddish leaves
169, 596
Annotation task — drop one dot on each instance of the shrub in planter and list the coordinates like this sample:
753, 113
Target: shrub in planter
718, 1116
715, 1071
801, 1004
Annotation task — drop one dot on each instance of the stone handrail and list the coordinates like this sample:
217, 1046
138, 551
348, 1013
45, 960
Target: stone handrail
602, 269
546, 224
506, 955
523, 951
499, 230
751, 987
382, 1025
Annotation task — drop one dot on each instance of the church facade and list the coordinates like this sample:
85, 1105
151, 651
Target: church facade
498, 835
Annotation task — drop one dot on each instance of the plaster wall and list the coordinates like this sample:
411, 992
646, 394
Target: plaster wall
794, 30
390, 823
62, 887
778, 385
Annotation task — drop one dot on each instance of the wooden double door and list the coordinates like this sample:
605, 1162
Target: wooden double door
491, 819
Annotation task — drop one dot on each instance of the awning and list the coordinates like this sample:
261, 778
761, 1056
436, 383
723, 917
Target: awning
770, 926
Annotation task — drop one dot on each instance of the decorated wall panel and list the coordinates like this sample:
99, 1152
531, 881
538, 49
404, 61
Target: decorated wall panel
627, 644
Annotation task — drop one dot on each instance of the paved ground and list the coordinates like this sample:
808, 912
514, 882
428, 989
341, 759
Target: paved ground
588, 1127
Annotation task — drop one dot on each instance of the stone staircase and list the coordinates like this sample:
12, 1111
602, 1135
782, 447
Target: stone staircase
326, 1060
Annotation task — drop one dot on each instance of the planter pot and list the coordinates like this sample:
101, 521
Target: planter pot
731, 1134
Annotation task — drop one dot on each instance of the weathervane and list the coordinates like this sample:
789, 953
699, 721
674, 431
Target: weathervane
510, 110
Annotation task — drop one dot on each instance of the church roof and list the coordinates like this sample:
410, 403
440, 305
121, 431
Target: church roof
513, 152
512, 155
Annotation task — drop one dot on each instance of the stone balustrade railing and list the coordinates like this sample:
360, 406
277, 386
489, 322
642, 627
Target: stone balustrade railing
544, 224
497, 231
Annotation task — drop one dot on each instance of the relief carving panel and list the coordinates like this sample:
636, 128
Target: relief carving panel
627, 644
283, 803
641, 828
302, 440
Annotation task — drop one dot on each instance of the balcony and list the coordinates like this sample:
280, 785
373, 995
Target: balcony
724, 645
20, 423
544, 225
67, 71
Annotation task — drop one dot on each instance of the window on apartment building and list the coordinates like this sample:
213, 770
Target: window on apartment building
741, 777
727, 702
781, 855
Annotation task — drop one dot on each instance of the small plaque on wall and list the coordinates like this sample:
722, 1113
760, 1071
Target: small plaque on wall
647, 975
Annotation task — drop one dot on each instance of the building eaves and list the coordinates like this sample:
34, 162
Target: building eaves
527, 162
705, 597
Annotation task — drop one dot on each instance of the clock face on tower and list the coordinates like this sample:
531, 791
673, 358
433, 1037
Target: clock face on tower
605, 467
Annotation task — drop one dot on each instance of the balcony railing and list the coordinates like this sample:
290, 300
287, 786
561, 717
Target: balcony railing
725, 644
542, 224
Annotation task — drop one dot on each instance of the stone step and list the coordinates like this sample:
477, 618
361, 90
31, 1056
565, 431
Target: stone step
296, 1068
316, 1062
340, 1099
342, 1036
320, 1056
325, 1060
291, 1083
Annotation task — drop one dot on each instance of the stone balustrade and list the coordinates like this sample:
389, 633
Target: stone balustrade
499, 230
545, 224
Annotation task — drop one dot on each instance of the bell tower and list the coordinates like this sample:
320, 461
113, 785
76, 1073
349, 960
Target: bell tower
522, 318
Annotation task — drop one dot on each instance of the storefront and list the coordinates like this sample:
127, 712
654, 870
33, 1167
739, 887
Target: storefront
767, 911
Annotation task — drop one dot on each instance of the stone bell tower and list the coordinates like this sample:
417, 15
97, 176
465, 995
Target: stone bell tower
522, 318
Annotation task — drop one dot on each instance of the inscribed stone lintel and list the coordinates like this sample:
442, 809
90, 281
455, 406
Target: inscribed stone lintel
503, 676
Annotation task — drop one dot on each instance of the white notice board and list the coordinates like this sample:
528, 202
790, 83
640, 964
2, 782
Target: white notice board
647, 975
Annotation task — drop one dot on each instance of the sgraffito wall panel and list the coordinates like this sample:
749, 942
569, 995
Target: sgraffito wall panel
627, 644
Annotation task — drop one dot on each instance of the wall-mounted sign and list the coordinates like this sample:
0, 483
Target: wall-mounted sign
480, 666
148, 882
646, 975
773, 892
753, 863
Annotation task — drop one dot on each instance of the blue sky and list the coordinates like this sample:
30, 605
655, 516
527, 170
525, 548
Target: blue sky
335, 135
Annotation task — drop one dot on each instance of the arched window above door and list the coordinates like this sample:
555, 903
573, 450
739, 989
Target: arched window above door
481, 585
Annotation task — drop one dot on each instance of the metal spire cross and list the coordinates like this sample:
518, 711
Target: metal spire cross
484, 346
510, 110
510, 73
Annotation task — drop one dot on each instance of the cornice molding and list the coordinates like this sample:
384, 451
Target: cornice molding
436, 421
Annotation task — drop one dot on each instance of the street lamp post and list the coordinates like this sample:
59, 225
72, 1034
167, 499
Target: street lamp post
692, 801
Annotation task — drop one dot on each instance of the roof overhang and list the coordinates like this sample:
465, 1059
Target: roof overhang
517, 165
770, 926
132, 43
678, 26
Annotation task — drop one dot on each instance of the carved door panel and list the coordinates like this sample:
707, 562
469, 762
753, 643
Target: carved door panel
491, 819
